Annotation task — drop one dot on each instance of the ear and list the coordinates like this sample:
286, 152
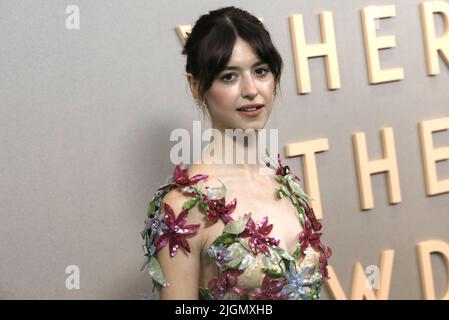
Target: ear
194, 85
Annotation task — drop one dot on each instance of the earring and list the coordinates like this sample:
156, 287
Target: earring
201, 104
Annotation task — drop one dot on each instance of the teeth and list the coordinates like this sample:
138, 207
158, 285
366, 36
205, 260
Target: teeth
249, 109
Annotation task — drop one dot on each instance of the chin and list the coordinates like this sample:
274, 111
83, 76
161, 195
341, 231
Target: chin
254, 126
259, 124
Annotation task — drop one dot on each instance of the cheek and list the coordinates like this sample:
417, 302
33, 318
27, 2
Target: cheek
267, 91
266, 85
223, 97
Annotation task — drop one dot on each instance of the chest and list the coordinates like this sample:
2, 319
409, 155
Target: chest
261, 202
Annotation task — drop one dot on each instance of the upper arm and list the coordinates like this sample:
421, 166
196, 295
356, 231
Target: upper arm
181, 271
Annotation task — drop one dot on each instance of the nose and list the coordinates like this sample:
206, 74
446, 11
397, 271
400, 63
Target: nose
249, 88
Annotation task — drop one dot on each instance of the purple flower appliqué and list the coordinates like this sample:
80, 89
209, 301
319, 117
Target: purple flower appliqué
181, 179
257, 234
176, 232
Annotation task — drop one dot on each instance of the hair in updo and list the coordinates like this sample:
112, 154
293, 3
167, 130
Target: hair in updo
210, 43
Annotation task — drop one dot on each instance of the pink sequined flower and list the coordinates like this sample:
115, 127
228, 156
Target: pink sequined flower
308, 210
176, 232
281, 169
325, 255
218, 209
181, 179
257, 234
270, 289
226, 282
308, 237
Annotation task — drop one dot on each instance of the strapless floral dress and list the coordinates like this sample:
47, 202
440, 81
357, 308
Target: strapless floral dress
250, 264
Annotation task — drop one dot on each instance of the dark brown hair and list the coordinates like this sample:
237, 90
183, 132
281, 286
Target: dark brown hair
210, 43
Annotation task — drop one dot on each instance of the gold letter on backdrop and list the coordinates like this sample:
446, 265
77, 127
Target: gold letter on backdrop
302, 51
360, 288
432, 44
308, 149
425, 249
366, 168
182, 32
374, 43
333, 286
431, 155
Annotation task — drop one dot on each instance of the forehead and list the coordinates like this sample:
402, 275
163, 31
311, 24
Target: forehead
242, 54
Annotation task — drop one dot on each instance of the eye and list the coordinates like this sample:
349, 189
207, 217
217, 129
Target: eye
262, 71
227, 76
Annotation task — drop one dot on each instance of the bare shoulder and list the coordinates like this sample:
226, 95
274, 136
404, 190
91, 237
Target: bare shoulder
180, 256
175, 198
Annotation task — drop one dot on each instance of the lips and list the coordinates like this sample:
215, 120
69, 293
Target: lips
250, 107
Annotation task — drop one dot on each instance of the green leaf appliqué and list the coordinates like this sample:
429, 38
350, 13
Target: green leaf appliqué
155, 272
235, 227
190, 203
215, 193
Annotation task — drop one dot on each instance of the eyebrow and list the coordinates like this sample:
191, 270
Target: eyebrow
257, 63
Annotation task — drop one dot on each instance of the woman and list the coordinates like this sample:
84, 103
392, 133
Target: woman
231, 231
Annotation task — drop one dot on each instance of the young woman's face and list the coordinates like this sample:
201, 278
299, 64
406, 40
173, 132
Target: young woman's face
245, 81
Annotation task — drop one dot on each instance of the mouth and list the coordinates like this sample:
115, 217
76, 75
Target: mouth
251, 110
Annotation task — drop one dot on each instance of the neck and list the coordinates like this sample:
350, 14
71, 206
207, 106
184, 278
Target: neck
234, 149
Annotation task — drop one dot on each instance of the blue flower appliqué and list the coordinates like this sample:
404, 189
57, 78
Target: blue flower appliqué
297, 283
220, 253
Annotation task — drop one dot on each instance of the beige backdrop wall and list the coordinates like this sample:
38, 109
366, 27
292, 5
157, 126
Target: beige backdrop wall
86, 116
